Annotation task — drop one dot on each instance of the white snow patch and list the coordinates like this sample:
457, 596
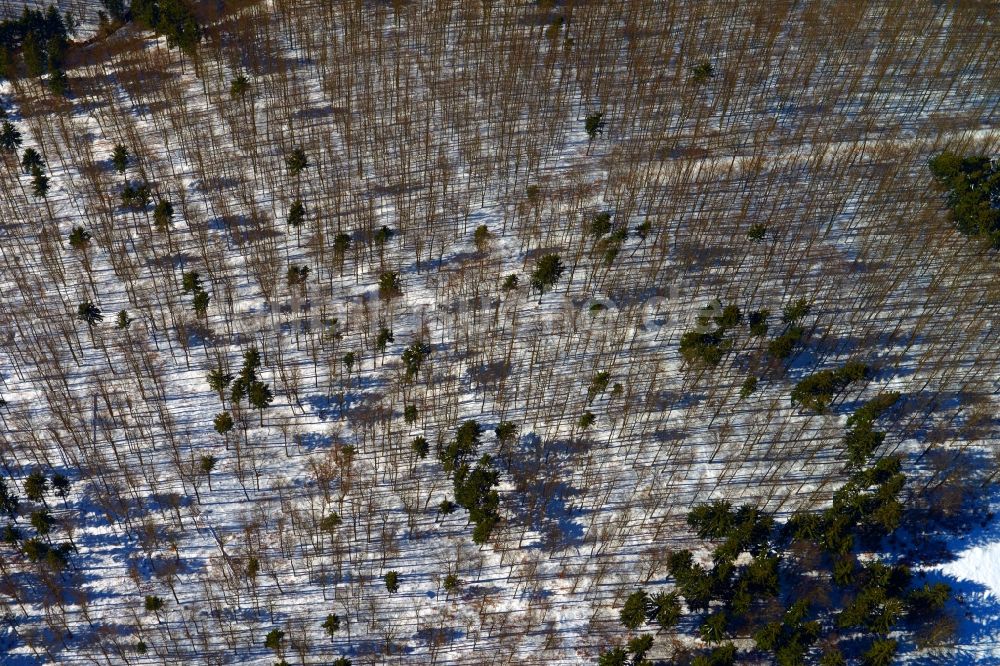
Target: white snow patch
979, 564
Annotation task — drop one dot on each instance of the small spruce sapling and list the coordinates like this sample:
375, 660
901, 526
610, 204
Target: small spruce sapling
594, 124
331, 624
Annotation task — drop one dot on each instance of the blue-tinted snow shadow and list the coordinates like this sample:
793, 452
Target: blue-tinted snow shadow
543, 496
324, 406
17, 660
313, 441
932, 540
977, 614
376, 648
438, 635
327, 407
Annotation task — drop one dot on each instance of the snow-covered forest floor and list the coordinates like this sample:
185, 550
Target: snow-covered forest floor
421, 123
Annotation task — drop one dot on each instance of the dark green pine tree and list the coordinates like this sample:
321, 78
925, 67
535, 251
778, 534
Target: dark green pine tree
31, 159
260, 397
89, 313
191, 282
420, 446
633, 613
180, 26
341, 244
206, 464
413, 358
223, 423
10, 137
79, 239
475, 491
153, 604
120, 158
58, 82
273, 640
115, 8
547, 272
39, 182
297, 162
614, 657
383, 339
239, 88
594, 125
35, 486
331, 624
296, 215
389, 285
218, 381
200, 302
8, 500
35, 60
123, 321
163, 213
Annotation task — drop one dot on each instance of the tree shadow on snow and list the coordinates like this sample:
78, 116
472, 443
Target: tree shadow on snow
953, 535
542, 496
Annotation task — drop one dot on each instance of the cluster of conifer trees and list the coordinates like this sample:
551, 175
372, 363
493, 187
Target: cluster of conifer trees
36, 43
812, 589
973, 186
